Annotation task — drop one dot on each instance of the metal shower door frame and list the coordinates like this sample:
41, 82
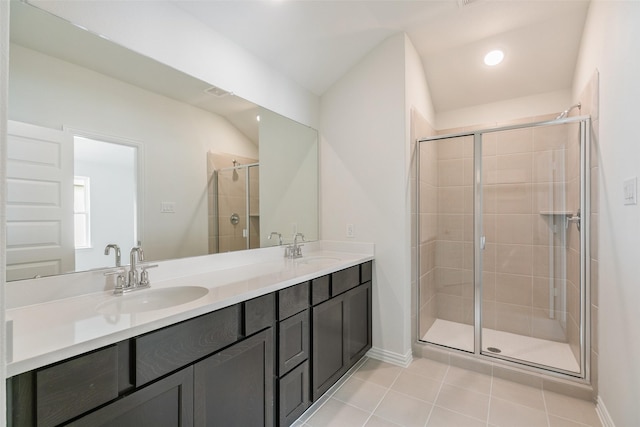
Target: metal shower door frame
585, 246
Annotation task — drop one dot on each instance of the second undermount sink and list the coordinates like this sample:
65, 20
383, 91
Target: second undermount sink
151, 299
317, 260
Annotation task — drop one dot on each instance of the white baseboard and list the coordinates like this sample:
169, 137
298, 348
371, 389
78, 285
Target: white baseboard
605, 418
398, 359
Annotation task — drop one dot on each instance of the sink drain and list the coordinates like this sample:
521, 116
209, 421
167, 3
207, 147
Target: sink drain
494, 349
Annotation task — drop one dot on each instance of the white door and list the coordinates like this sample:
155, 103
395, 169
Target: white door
39, 201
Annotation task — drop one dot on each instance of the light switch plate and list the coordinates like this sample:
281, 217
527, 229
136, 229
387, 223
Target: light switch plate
630, 191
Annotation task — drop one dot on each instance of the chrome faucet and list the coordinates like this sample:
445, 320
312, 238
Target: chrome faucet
131, 280
133, 270
116, 248
294, 250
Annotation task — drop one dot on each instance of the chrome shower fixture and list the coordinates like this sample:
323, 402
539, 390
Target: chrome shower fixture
566, 112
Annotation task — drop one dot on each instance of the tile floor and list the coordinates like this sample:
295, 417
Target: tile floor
430, 394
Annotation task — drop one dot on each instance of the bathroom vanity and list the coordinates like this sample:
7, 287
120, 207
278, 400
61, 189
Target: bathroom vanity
243, 355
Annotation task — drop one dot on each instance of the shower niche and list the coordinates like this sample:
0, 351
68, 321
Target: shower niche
502, 243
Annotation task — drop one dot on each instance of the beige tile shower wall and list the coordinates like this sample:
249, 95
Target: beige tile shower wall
519, 182
424, 244
212, 217
231, 199
428, 210
573, 243
590, 106
254, 207
453, 227
223, 235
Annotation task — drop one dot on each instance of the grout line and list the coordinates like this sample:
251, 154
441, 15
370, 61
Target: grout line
546, 410
383, 397
437, 394
490, 397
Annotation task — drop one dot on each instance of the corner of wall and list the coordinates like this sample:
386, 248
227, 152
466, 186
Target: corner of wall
4, 74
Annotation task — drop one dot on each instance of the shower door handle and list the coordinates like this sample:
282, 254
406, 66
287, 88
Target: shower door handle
483, 242
573, 218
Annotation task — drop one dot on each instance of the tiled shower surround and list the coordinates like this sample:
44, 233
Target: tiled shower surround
231, 197
530, 184
523, 201
518, 184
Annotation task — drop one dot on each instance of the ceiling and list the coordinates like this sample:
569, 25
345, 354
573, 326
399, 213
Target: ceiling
38, 30
314, 42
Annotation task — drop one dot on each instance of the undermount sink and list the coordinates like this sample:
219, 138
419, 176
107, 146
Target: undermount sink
151, 299
315, 260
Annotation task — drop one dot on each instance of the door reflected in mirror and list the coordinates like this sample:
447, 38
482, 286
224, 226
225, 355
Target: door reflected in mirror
105, 205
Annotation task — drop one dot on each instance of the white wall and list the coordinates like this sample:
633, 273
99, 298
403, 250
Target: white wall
175, 136
288, 178
503, 111
169, 35
365, 158
418, 95
611, 43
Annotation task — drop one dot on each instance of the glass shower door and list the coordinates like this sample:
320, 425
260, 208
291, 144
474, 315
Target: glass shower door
446, 224
531, 287
502, 243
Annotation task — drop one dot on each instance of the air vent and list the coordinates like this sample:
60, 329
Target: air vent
216, 91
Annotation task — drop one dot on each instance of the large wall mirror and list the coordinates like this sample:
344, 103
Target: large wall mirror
108, 147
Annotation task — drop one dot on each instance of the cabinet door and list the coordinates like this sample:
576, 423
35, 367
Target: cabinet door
358, 328
293, 395
234, 387
329, 351
293, 342
166, 403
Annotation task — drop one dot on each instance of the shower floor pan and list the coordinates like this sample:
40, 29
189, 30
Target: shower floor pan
544, 352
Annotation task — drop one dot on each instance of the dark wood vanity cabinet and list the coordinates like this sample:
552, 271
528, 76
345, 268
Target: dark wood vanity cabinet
165, 403
293, 353
341, 327
234, 388
257, 363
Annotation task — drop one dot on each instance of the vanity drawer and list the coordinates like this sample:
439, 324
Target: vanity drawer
259, 313
161, 352
320, 290
293, 395
293, 341
343, 280
293, 300
71, 388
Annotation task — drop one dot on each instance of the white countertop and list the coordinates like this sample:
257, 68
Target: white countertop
48, 332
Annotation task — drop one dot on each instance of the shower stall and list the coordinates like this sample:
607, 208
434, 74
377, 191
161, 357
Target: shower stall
235, 208
503, 215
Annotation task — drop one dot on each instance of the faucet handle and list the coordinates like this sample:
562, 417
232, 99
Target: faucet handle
144, 278
275, 233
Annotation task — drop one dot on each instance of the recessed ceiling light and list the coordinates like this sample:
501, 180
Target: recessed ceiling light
494, 57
